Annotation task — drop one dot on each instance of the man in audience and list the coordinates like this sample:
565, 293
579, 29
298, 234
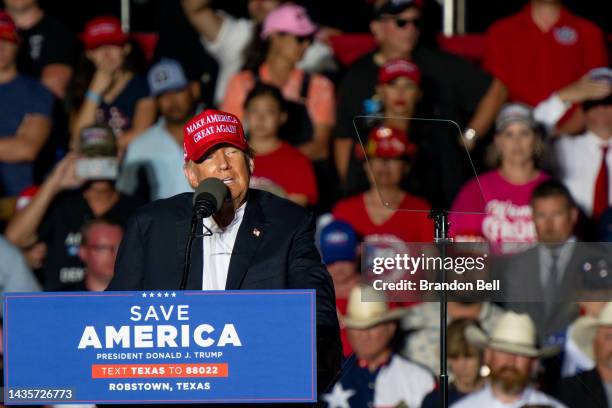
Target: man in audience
25, 120
47, 47
15, 276
98, 251
511, 353
74, 193
585, 161
152, 165
538, 281
593, 388
452, 87
540, 50
379, 377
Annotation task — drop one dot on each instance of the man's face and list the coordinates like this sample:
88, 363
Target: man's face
8, 54
100, 251
176, 106
341, 271
398, 33
554, 219
510, 373
385, 172
227, 163
259, 9
599, 116
368, 344
19, 5
602, 347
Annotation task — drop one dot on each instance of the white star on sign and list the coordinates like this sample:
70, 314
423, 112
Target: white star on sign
151, 294
339, 397
144, 295
159, 294
173, 294
166, 294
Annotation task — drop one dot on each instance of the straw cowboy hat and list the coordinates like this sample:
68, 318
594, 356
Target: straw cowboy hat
584, 329
369, 312
514, 333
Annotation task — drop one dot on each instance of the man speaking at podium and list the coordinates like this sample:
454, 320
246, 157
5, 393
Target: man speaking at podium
256, 240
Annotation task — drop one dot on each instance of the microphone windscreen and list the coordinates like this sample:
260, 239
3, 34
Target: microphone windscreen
211, 187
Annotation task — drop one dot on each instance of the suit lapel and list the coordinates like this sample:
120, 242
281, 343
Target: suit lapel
183, 224
250, 234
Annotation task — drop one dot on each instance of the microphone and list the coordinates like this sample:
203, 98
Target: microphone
208, 198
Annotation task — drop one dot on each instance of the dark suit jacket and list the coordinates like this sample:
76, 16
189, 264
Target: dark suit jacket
281, 255
583, 390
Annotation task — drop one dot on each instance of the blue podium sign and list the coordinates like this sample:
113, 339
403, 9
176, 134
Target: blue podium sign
160, 347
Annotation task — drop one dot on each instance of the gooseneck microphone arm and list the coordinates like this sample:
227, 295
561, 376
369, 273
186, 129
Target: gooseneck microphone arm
207, 200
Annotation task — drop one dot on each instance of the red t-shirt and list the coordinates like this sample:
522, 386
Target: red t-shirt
407, 226
533, 64
287, 171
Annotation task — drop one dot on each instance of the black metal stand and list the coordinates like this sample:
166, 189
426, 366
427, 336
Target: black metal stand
441, 238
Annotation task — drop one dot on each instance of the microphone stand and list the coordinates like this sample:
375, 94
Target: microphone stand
441, 238
186, 264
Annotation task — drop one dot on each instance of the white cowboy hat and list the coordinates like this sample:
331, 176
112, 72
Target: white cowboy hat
514, 333
584, 329
374, 310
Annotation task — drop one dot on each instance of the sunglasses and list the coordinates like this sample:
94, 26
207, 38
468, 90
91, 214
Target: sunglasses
403, 22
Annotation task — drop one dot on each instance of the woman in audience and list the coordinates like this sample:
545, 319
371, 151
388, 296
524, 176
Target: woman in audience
106, 89
288, 32
501, 196
465, 363
265, 113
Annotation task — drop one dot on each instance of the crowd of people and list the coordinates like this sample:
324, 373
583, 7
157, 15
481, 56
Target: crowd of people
516, 148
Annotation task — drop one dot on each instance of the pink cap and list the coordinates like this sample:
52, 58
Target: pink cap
399, 68
209, 129
288, 18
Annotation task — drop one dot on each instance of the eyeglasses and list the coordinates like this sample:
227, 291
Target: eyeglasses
403, 22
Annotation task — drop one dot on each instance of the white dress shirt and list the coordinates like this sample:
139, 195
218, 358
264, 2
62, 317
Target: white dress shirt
218, 249
486, 398
579, 161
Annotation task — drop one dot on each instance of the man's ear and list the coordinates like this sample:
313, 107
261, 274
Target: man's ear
82, 253
190, 174
195, 89
251, 165
283, 117
376, 29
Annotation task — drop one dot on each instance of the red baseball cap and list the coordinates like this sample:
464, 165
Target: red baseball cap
399, 68
105, 30
8, 29
211, 128
387, 143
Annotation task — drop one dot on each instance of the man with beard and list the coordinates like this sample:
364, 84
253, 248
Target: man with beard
592, 388
152, 166
511, 353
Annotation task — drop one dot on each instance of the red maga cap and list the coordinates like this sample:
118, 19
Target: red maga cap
211, 128
8, 30
397, 68
387, 143
105, 30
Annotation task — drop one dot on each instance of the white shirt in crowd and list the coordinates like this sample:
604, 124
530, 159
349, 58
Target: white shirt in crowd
218, 249
485, 398
233, 37
157, 153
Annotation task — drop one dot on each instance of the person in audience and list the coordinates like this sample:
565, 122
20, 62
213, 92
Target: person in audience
338, 245
511, 353
502, 195
107, 89
265, 113
378, 215
287, 32
465, 365
453, 88
75, 192
230, 40
585, 161
379, 376
592, 388
152, 167
15, 275
25, 122
48, 48
422, 322
98, 251
437, 172
540, 50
